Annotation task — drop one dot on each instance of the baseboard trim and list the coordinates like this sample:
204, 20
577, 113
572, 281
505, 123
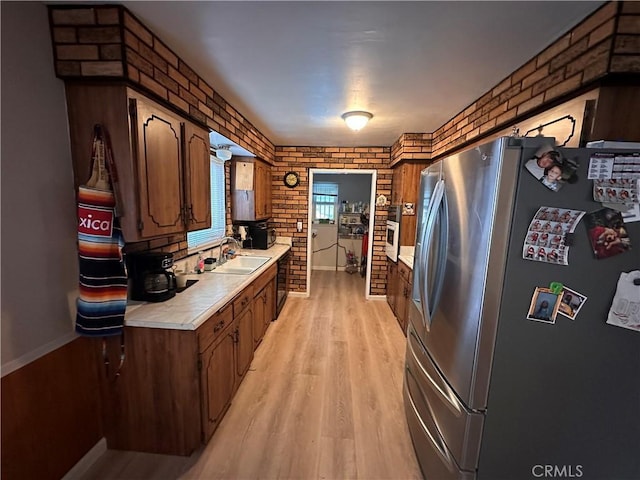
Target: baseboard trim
83, 465
378, 298
298, 294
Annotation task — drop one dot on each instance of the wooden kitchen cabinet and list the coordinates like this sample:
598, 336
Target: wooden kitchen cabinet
217, 374
264, 303
399, 284
243, 320
405, 189
250, 189
392, 285
162, 159
197, 159
403, 295
153, 403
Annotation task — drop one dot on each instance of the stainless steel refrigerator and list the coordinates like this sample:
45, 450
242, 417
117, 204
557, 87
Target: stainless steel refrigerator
489, 393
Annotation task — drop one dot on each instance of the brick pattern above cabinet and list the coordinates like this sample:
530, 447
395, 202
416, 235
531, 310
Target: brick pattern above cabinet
107, 41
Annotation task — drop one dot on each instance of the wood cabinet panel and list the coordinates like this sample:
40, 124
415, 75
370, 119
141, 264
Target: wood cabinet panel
255, 203
264, 303
214, 326
51, 412
197, 160
242, 301
399, 284
244, 342
152, 406
402, 305
392, 284
259, 313
160, 166
405, 188
217, 380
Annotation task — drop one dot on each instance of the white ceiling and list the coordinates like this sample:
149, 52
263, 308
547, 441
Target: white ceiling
293, 68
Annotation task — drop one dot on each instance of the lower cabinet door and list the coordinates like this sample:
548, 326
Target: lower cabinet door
244, 339
258, 318
218, 380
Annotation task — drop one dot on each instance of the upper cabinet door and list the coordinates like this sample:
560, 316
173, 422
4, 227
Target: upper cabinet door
250, 189
197, 177
158, 147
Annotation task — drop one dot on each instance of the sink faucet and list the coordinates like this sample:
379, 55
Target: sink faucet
221, 258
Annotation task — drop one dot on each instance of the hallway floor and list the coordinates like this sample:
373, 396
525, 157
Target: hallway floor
322, 400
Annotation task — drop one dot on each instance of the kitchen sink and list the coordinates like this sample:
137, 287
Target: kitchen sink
242, 265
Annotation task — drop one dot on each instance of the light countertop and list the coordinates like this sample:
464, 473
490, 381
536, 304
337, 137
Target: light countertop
405, 255
192, 307
407, 260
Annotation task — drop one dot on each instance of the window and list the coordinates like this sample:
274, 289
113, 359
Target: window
210, 236
325, 200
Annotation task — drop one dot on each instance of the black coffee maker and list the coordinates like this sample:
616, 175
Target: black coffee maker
151, 282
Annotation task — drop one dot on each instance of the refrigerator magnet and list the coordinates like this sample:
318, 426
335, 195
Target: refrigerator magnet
544, 305
607, 233
552, 169
625, 307
549, 235
571, 302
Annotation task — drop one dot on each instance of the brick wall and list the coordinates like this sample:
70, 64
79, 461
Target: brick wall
108, 42
291, 204
411, 146
607, 42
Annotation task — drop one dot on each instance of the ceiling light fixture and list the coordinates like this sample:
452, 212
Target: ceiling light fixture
223, 152
356, 120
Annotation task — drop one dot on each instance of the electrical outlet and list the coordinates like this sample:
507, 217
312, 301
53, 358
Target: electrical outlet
299, 226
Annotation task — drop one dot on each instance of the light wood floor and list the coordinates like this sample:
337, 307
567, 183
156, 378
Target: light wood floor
322, 400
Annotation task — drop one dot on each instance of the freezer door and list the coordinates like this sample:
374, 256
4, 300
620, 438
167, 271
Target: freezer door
459, 428
478, 197
436, 461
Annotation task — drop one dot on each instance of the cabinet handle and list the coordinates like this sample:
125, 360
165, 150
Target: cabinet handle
218, 326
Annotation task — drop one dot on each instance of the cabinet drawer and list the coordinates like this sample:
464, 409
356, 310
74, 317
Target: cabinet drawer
212, 328
242, 301
265, 278
404, 271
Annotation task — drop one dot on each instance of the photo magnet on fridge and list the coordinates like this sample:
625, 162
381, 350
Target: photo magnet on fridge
551, 168
607, 233
544, 305
571, 302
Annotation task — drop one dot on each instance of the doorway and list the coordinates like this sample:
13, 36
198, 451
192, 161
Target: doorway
335, 237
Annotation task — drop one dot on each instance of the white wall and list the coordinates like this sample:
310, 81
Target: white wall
352, 187
324, 254
39, 257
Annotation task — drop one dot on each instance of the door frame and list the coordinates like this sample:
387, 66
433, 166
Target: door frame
372, 216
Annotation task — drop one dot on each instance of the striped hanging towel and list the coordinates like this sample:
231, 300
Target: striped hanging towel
103, 278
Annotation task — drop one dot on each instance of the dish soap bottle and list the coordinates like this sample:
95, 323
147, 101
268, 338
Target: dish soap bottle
200, 266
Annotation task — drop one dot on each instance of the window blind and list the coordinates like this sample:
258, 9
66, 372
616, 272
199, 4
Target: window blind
325, 199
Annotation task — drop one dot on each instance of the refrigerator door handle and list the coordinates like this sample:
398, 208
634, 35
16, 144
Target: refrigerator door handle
443, 247
438, 195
